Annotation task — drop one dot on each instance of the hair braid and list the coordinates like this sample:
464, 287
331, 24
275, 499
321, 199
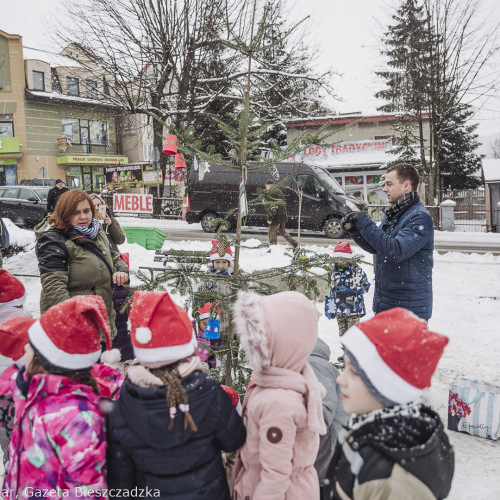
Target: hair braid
176, 395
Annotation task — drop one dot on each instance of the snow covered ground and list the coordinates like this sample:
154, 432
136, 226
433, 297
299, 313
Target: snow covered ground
466, 309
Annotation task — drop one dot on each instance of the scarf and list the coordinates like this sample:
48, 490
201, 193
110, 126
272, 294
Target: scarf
406, 410
304, 383
401, 204
91, 231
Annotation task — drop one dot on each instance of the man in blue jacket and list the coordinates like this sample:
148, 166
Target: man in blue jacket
403, 244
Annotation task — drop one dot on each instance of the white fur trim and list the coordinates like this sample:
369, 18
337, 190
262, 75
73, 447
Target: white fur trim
342, 255
39, 338
383, 378
216, 256
15, 302
167, 353
204, 315
111, 357
249, 322
143, 334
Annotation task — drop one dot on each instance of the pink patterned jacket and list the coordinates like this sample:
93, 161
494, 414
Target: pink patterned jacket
58, 441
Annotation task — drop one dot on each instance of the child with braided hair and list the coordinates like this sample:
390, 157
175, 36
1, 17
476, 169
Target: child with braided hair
171, 423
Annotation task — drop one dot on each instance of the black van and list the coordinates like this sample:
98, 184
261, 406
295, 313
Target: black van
212, 193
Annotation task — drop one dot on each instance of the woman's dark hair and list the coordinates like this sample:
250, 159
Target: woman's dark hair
84, 377
66, 206
176, 395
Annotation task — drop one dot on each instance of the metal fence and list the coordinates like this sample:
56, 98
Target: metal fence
163, 208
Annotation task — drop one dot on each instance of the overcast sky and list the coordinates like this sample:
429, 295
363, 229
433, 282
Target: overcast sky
347, 33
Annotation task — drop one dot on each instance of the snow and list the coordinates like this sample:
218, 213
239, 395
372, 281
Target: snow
491, 170
466, 309
52, 58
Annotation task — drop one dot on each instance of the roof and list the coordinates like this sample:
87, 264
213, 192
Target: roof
56, 97
55, 60
491, 170
342, 119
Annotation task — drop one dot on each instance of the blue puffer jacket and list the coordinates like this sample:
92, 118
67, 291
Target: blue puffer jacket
403, 269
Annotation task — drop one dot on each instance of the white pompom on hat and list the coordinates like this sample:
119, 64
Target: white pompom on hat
12, 292
68, 335
161, 331
395, 354
342, 250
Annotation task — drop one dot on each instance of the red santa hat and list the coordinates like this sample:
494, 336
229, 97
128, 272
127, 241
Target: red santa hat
161, 331
395, 355
342, 250
14, 336
12, 292
234, 396
215, 254
204, 312
68, 335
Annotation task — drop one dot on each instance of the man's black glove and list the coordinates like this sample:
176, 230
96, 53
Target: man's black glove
350, 220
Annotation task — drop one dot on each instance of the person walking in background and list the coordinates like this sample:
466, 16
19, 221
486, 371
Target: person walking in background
394, 446
171, 422
277, 215
54, 194
58, 438
282, 407
4, 239
333, 412
74, 256
403, 244
348, 283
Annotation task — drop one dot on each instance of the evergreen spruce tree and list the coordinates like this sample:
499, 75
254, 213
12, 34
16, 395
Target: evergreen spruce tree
458, 161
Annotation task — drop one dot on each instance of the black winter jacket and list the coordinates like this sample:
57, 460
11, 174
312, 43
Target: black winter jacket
181, 463
53, 195
399, 458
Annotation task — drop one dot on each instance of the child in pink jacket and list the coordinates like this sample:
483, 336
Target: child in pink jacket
58, 442
282, 409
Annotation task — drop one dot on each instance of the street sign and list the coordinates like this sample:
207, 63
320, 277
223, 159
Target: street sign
155, 155
43, 172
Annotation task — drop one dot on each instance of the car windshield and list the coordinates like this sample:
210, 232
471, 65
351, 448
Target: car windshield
331, 184
42, 193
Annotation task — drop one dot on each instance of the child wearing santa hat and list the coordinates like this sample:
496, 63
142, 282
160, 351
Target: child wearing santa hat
207, 337
171, 422
347, 284
394, 447
58, 439
12, 297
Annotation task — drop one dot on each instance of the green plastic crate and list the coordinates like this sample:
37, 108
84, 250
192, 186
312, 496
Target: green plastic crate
148, 237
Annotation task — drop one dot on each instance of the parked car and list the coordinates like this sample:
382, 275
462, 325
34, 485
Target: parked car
38, 182
23, 205
215, 192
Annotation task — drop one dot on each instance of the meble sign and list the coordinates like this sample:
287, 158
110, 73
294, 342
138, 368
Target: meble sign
133, 203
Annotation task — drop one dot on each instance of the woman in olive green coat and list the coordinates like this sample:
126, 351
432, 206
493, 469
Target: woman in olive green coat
75, 258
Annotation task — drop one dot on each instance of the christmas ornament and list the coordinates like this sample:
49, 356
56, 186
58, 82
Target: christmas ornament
170, 146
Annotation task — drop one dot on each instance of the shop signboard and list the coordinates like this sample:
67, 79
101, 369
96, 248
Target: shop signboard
9, 145
133, 203
91, 160
149, 175
126, 177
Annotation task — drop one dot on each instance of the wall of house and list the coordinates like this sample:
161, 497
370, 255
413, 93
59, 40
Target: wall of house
36, 65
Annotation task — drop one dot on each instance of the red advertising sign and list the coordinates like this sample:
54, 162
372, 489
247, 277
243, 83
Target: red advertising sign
133, 203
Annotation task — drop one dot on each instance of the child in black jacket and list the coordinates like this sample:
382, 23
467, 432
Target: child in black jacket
393, 447
171, 422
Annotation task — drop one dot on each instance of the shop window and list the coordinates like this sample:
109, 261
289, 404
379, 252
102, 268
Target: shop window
38, 80
72, 86
91, 88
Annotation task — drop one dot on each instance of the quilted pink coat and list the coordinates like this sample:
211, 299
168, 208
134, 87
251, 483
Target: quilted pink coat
282, 409
58, 441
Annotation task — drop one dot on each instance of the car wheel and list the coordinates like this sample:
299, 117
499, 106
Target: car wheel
207, 222
332, 228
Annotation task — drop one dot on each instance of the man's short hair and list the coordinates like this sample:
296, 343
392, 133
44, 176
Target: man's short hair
270, 182
406, 172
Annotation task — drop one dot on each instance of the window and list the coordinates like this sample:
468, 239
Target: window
144, 119
71, 129
6, 129
26, 194
38, 80
311, 185
10, 193
91, 88
0, 77
98, 133
147, 149
87, 132
73, 86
